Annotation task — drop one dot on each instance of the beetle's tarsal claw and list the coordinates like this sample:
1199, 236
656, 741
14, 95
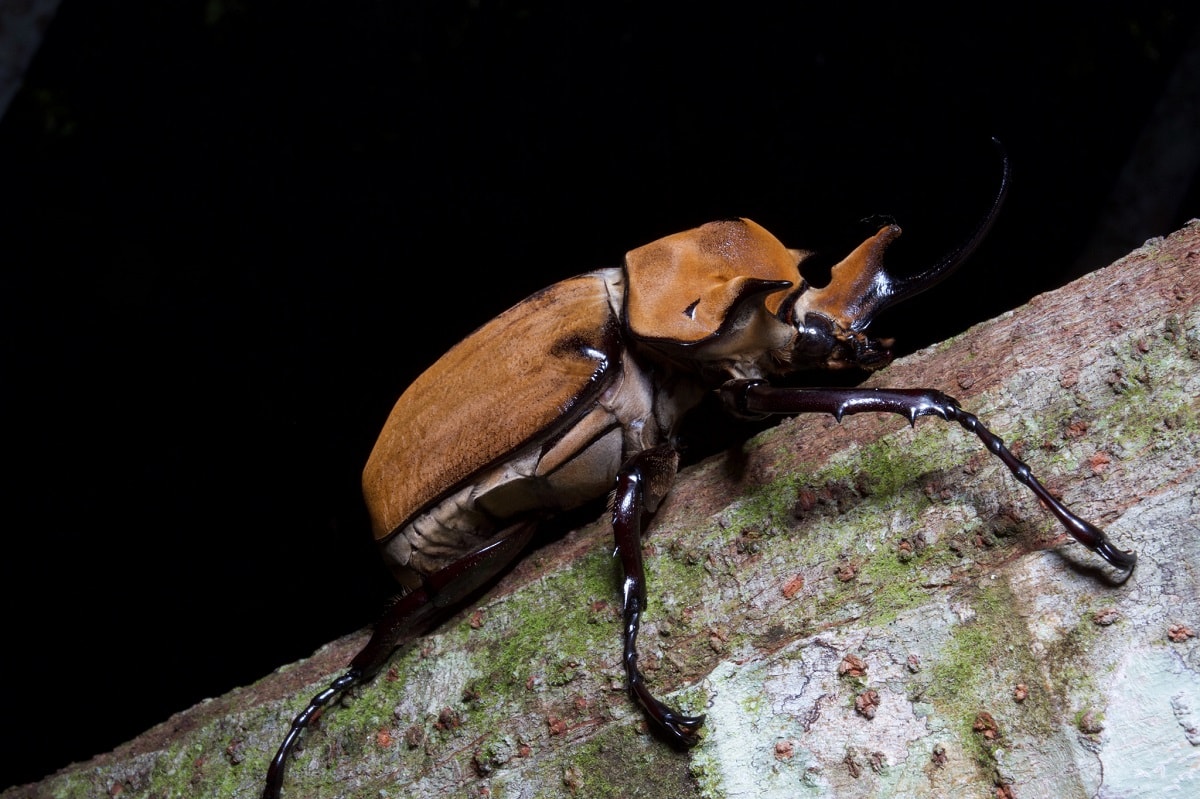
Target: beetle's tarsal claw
1124, 560
687, 729
1095, 539
683, 730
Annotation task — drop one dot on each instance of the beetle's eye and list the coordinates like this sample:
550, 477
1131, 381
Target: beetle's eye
690, 311
815, 340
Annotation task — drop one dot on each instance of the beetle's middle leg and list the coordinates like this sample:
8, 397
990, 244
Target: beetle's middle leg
759, 397
641, 484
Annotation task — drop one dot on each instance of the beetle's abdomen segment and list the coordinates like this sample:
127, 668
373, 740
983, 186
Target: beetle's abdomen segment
436, 538
491, 403
531, 483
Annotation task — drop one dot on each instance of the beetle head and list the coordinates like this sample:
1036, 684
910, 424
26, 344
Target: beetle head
831, 321
728, 298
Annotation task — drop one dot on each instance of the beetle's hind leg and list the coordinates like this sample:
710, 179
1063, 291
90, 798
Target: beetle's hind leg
406, 616
641, 484
758, 397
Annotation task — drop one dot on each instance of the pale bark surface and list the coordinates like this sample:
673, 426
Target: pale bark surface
820, 563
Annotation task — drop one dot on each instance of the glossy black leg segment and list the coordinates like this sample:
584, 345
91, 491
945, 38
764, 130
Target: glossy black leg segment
300, 724
408, 615
640, 485
757, 397
442, 589
404, 613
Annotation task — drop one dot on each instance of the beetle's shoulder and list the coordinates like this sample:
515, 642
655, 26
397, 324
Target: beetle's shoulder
686, 287
517, 378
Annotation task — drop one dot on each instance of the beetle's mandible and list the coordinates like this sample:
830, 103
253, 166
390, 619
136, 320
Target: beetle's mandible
602, 368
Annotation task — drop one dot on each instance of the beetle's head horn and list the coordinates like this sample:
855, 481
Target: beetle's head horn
831, 320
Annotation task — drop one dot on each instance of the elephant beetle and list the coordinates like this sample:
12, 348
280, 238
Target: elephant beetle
578, 391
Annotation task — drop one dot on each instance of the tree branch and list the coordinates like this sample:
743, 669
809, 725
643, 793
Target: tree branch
861, 609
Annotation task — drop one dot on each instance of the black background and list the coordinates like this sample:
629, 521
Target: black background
232, 232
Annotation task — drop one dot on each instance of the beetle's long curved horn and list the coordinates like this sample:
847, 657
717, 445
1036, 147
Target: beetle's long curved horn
860, 287
894, 290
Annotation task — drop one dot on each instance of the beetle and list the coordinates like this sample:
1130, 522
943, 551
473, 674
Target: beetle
579, 390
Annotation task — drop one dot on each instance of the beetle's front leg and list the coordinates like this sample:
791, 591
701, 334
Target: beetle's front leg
759, 397
641, 485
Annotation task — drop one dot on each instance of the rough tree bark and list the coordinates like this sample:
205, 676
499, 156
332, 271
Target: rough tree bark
793, 578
